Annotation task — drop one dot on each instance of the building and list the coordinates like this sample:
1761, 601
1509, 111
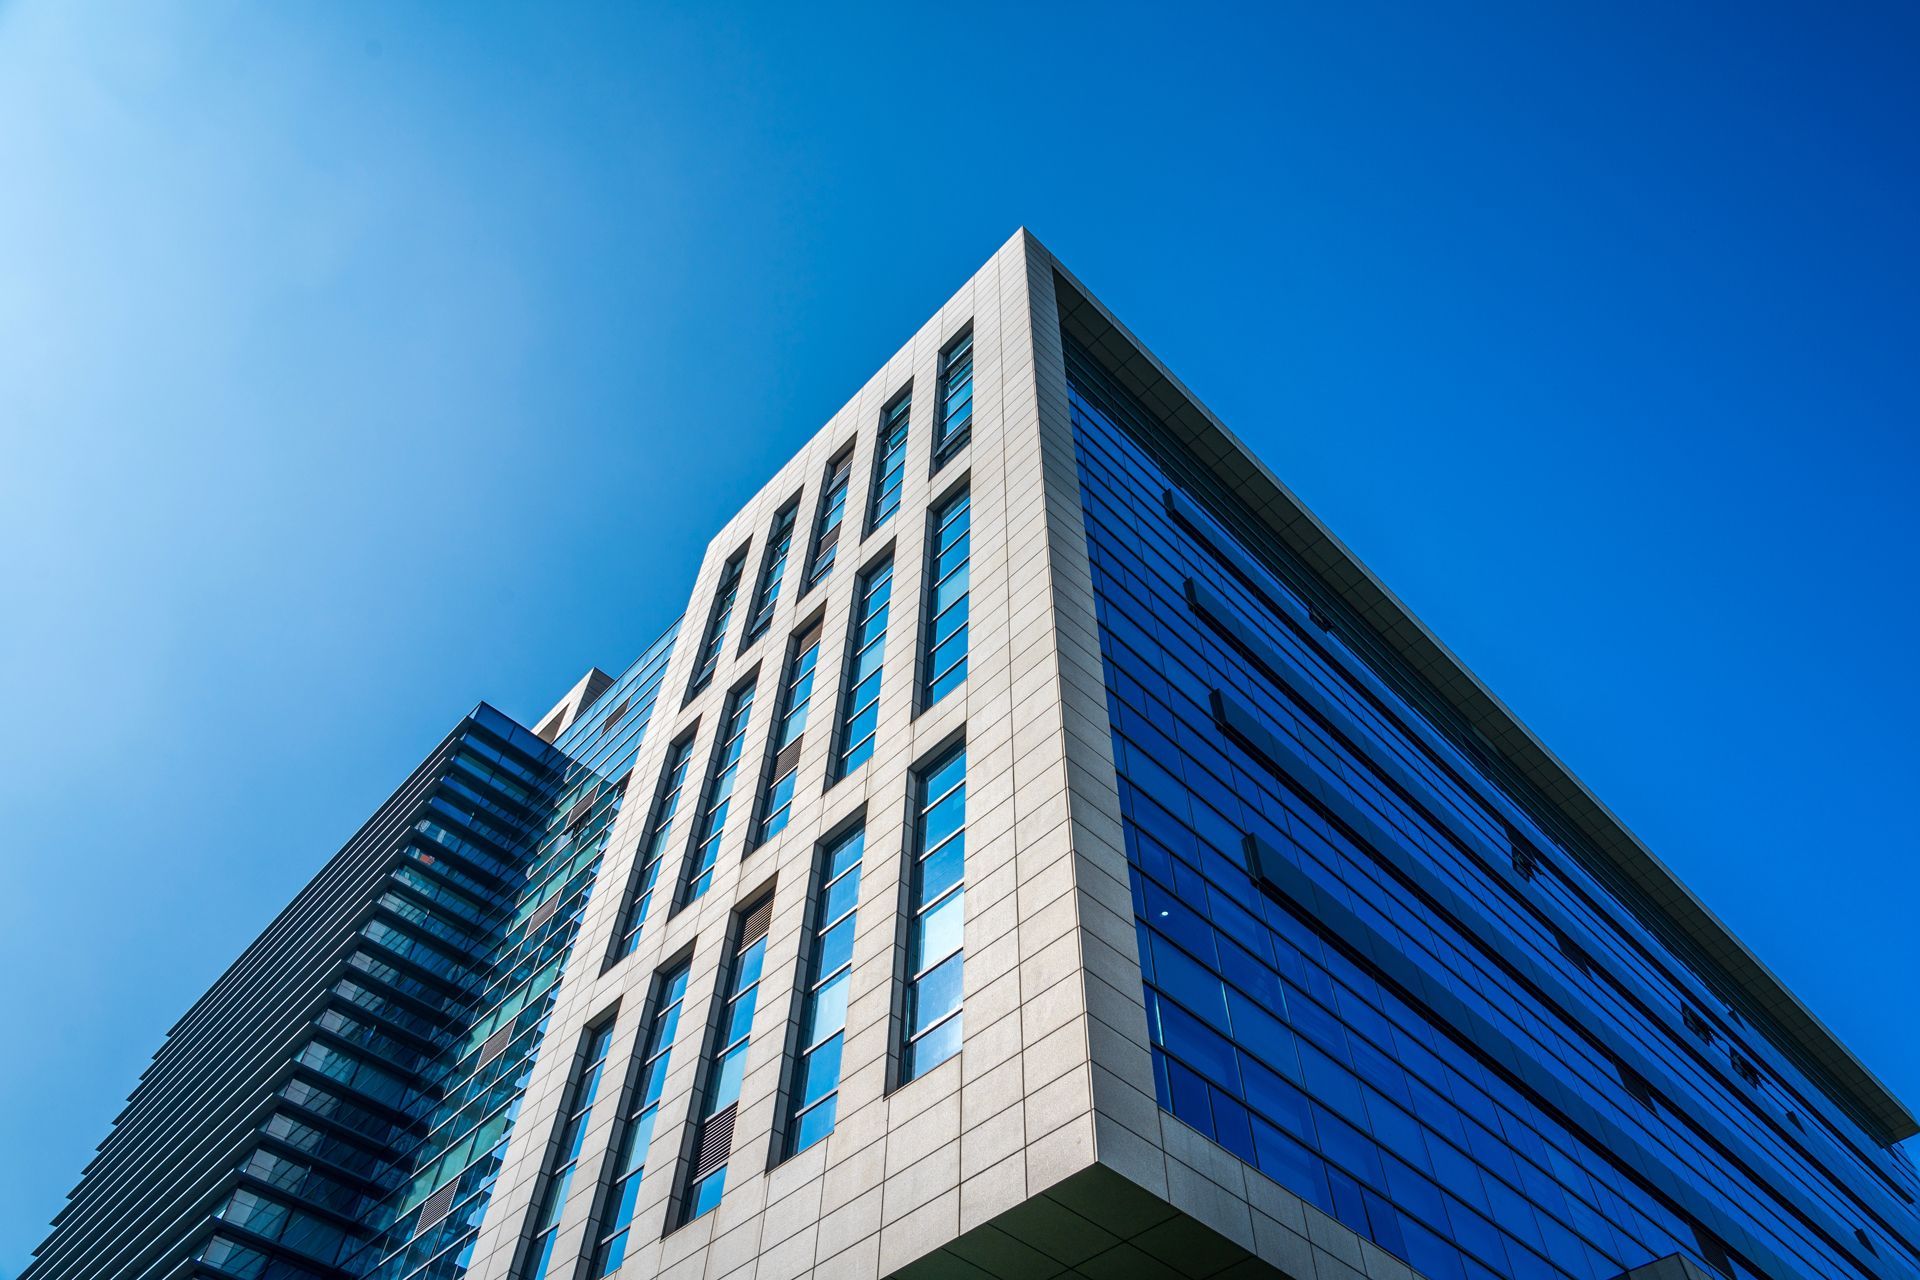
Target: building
1042, 850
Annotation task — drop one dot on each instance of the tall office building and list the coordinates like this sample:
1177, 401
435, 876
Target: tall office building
1041, 850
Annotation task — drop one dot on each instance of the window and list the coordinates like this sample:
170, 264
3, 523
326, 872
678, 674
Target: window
723, 601
956, 396
566, 1150
783, 771
833, 510
936, 911
727, 1061
773, 570
945, 665
634, 1128
889, 462
673, 776
815, 1089
721, 776
860, 697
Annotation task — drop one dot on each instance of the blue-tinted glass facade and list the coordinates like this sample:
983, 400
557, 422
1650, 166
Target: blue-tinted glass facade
815, 1088
1372, 974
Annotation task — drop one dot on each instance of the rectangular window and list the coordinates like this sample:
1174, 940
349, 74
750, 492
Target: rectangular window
815, 1089
944, 666
783, 771
552, 1196
833, 511
673, 778
726, 1063
634, 1127
860, 696
721, 776
724, 598
773, 570
936, 912
889, 462
956, 397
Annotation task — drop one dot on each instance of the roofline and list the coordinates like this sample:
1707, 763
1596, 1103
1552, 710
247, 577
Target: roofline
1269, 501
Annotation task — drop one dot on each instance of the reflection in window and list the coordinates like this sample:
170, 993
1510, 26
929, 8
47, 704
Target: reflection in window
727, 1063
945, 662
716, 637
823, 1006
935, 917
721, 776
673, 777
860, 702
783, 773
956, 395
833, 510
889, 463
635, 1125
566, 1151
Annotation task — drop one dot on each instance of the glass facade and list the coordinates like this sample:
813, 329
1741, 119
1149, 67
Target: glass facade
721, 777
726, 1061
956, 397
653, 848
726, 594
866, 663
783, 764
889, 463
773, 570
582, 1090
823, 993
935, 920
613, 1217
949, 554
1372, 974
833, 512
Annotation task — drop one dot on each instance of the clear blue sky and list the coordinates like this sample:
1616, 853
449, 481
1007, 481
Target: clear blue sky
338, 342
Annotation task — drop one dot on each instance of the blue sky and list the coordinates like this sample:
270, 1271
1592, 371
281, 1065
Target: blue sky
360, 361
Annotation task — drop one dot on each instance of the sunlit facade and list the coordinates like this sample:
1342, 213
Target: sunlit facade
1047, 852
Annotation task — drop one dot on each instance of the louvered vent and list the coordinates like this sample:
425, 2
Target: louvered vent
543, 913
582, 808
491, 1047
716, 1142
436, 1205
754, 925
788, 756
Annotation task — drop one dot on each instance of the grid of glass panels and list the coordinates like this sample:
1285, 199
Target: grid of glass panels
721, 776
727, 1063
724, 598
949, 551
860, 698
673, 778
936, 916
783, 770
889, 463
823, 998
774, 570
614, 1215
956, 395
833, 511
566, 1151
1359, 1095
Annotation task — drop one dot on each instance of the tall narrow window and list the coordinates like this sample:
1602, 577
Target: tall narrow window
727, 1061
956, 396
673, 777
724, 598
936, 913
566, 1151
721, 775
773, 570
783, 772
889, 462
823, 1001
833, 511
634, 1127
860, 698
949, 550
